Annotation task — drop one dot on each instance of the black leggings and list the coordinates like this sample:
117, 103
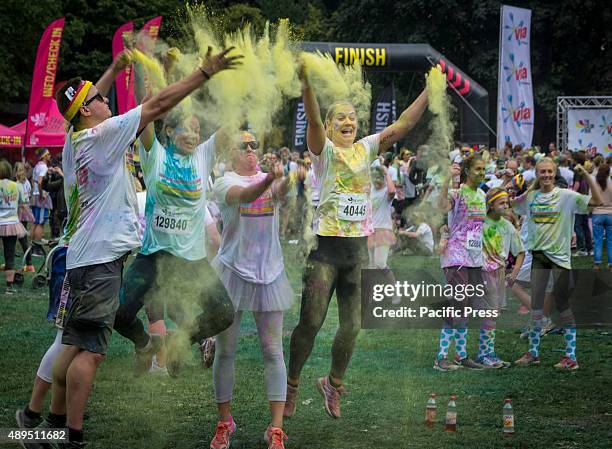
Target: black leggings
541, 267
23, 241
9, 244
322, 276
160, 278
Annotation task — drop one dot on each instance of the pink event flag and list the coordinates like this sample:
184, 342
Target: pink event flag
122, 82
45, 125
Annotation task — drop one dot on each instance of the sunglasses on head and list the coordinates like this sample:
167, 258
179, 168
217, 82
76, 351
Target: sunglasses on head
97, 96
254, 144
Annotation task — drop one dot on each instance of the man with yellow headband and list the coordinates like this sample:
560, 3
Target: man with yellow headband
106, 228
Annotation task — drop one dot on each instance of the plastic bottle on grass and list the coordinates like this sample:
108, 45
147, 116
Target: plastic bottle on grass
451, 415
508, 418
431, 411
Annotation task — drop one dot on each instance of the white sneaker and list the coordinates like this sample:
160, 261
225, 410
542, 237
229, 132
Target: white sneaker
157, 370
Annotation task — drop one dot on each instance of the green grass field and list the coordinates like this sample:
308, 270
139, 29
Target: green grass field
388, 385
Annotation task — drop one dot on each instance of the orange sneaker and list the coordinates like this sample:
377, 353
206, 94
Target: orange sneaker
29, 269
275, 438
222, 434
528, 359
290, 401
331, 396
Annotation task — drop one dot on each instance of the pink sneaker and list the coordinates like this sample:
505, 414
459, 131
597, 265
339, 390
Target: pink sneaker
275, 438
290, 401
331, 396
567, 364
528, 359
222, 434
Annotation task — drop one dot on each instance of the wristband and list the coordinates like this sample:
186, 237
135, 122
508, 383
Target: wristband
206, 75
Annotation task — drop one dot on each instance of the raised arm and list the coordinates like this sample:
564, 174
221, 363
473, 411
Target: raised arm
444, 202
105, 82
406, 121
315, 131
596, 197
390, 185
171, 95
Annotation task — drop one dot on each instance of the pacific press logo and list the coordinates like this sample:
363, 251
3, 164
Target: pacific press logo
520, 114
517, 71
518, 31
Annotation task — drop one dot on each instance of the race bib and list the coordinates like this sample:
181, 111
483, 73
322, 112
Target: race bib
474, 241
171, 220
352, 206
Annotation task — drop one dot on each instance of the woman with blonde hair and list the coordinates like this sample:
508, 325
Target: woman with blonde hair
11, 197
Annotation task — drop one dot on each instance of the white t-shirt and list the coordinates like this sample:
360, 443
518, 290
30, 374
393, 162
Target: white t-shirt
176, 199
40, 170
568, 175
107, 216
529, 175
381, 208
425, 236
250, 245
551, 221
11, 196
494, 182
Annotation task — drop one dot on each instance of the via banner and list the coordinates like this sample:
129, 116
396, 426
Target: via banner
299, 127
590, 130
122, 82
384, 111
515, 96
45, 124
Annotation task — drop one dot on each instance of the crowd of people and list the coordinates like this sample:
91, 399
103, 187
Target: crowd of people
218, 210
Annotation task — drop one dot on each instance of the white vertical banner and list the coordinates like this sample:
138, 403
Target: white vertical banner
515, 95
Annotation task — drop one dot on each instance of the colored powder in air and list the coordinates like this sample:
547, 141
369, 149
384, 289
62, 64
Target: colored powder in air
332, 82
441, 125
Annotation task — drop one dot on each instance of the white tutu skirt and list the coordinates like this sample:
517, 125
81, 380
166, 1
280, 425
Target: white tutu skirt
273, 297
11, 230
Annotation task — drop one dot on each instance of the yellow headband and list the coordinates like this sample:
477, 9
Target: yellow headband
499, 195
77, 100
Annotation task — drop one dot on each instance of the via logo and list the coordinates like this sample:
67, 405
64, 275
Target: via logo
39, 119
605, 126
518, 72
520, 115
585, 126
517, 31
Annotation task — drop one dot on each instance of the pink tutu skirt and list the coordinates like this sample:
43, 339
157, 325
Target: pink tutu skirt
10, 230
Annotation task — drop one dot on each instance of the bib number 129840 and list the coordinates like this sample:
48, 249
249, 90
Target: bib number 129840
170, 221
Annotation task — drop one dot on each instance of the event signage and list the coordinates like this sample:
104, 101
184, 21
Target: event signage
299, 127
45, 125
384, 111
590, 130
123, 34
515, 116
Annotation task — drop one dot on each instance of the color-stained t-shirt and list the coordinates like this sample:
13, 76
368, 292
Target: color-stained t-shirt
381, 208
465, 221
11, 196
106, 225
344, 208
551, 221
176, 199
250, 244
499, 238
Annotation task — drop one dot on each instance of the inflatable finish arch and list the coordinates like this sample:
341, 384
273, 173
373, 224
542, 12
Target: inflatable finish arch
419, 58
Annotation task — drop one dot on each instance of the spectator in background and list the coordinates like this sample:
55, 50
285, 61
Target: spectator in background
53, 183
564, 169
407, 190
25, 213
420, 240
418, 170
602, 217
529, 169
584, 242
41, 202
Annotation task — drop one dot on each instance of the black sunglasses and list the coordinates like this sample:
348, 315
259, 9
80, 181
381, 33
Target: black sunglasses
97, 96
254, 144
